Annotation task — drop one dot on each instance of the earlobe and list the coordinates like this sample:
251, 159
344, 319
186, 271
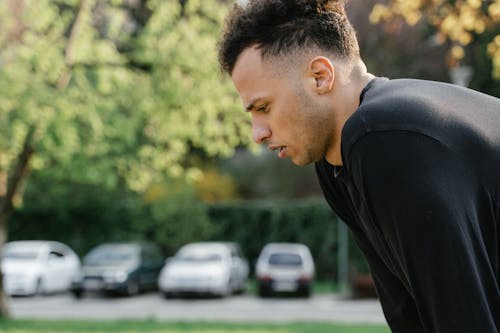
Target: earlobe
323, 72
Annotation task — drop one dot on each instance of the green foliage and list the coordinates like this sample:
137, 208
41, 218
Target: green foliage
79, 215
264, 175
171, 214
482, 79
190, 104
84, 216
175, 217
66, 118
115, 99
255, 223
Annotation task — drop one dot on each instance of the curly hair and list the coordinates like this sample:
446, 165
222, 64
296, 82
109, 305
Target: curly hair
278, 27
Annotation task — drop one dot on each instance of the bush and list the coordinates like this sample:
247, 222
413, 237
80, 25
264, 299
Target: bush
83, 216
79, 215
255, 223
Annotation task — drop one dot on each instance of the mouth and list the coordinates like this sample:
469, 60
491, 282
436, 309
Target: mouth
281, 150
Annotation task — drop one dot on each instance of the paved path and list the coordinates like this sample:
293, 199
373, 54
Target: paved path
236, 308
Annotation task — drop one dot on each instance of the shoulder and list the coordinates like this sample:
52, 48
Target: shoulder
400, 104
441, 111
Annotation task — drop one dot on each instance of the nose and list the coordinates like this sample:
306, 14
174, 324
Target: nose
260, 131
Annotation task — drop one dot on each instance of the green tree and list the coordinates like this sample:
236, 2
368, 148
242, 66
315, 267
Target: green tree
110, 92
175, 216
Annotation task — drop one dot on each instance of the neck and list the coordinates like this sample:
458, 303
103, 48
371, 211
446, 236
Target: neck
346, 99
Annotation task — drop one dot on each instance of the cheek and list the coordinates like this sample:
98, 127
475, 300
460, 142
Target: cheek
291, 122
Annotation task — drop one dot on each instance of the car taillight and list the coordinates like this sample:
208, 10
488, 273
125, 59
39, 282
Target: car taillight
265, 278
304, 278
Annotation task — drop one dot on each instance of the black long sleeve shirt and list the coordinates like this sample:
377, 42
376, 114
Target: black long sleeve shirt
420, 191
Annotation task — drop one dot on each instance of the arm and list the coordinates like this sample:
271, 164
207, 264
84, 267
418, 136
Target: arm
425, 200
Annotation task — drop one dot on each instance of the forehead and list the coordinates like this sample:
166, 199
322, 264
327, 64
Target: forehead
254, 77
248, 66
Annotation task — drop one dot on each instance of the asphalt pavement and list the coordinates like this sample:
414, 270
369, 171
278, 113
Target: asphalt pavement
240, 308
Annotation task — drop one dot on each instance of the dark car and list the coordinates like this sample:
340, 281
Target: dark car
119, 268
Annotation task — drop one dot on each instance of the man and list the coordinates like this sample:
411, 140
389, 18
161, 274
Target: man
411, 166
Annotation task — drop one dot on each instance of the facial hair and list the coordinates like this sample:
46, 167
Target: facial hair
316, 132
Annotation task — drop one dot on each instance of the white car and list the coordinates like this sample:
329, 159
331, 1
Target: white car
214, 268
37, 267
285, 267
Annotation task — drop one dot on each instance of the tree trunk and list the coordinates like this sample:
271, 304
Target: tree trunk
6, 205
69, 50
21, 168
4, 306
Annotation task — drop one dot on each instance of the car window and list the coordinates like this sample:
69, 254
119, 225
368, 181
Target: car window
19, 255
111, 255
198, 257
285, 259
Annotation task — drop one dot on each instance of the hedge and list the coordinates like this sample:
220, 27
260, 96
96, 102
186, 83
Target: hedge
255, 223
86, 217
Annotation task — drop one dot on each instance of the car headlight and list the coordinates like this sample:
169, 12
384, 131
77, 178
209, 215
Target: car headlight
121, 276
116, 276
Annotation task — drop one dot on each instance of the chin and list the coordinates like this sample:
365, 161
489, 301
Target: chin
305, 159
301, 162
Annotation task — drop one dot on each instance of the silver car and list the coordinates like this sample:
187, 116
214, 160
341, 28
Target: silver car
214, 268
285, 268
38, 267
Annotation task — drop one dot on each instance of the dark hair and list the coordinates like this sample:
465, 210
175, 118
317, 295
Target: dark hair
281, 26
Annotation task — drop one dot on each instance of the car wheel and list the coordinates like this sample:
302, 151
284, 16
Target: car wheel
305, 291
241, 290
77, 293
264, 291
226, 291
168, 294
242, 287
39, 287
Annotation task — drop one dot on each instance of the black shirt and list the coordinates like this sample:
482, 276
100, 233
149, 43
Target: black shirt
420, 192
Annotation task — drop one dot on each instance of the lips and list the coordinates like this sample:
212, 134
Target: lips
281, 150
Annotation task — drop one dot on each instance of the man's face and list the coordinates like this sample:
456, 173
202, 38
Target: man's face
286, 114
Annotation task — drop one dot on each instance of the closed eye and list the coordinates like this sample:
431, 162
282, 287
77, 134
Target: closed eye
262, 108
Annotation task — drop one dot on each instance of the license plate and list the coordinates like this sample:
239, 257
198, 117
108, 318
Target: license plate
92, 284
285, 286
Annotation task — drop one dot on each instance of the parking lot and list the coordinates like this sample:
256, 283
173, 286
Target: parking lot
242, 308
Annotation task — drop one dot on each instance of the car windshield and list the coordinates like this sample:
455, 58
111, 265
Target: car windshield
19, 255
285, 259
198, 257
111, 255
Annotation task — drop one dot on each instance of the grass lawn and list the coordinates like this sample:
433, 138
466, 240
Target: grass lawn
151, 326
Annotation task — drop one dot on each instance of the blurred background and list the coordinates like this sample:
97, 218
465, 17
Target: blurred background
116, 126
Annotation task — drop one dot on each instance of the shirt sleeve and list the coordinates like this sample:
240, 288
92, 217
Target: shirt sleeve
427, 203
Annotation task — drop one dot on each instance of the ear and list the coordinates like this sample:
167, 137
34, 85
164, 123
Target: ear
322, 73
